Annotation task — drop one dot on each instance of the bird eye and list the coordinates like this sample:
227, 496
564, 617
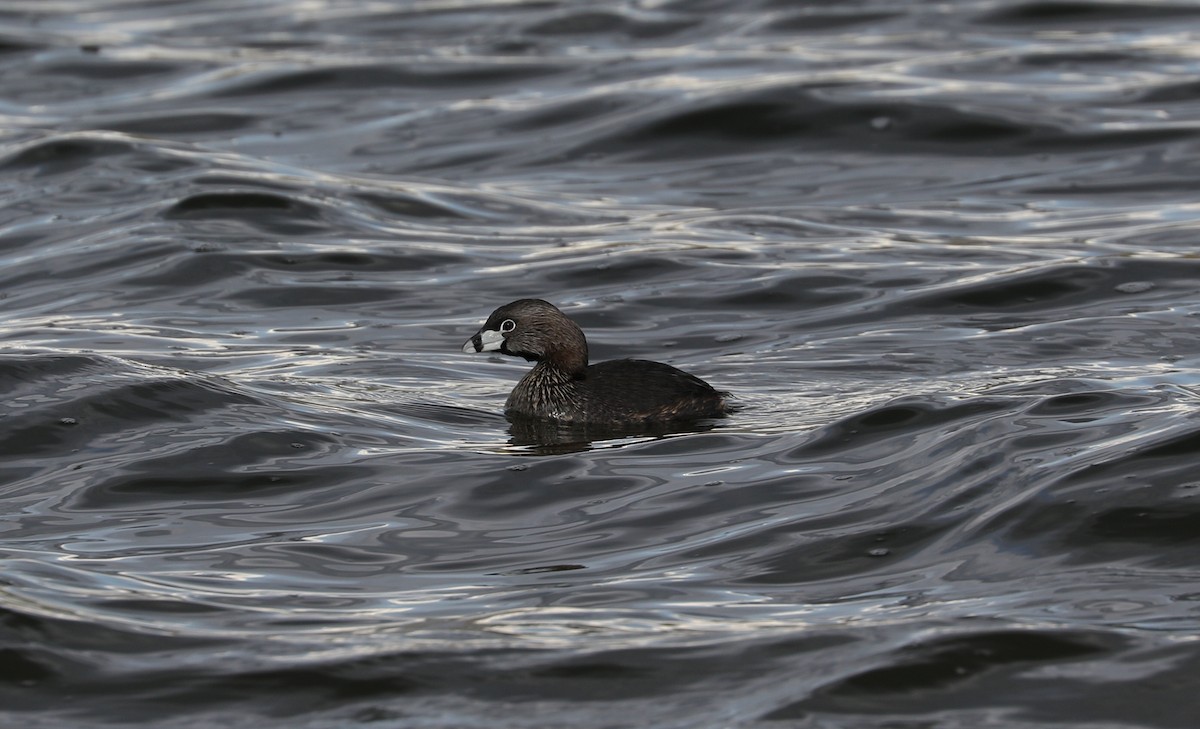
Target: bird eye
507, 326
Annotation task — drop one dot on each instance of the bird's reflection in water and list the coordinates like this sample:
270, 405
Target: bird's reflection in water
550, 437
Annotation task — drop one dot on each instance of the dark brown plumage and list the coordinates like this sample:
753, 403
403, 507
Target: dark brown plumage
563, 387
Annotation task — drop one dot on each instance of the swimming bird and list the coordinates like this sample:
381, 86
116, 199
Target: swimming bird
563, 387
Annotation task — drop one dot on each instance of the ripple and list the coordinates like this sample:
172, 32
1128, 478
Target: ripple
942, 255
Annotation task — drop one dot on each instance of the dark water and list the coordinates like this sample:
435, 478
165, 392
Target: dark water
945, 255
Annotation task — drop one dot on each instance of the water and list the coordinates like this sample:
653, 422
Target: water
942, 254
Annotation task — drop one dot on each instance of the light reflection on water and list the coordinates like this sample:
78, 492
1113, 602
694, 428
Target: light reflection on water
941, 255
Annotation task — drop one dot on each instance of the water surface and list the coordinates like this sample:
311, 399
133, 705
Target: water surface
942, 254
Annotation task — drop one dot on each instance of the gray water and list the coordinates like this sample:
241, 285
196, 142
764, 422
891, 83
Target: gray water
943, 255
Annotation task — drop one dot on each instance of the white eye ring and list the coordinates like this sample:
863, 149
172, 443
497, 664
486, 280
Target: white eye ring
507, 326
